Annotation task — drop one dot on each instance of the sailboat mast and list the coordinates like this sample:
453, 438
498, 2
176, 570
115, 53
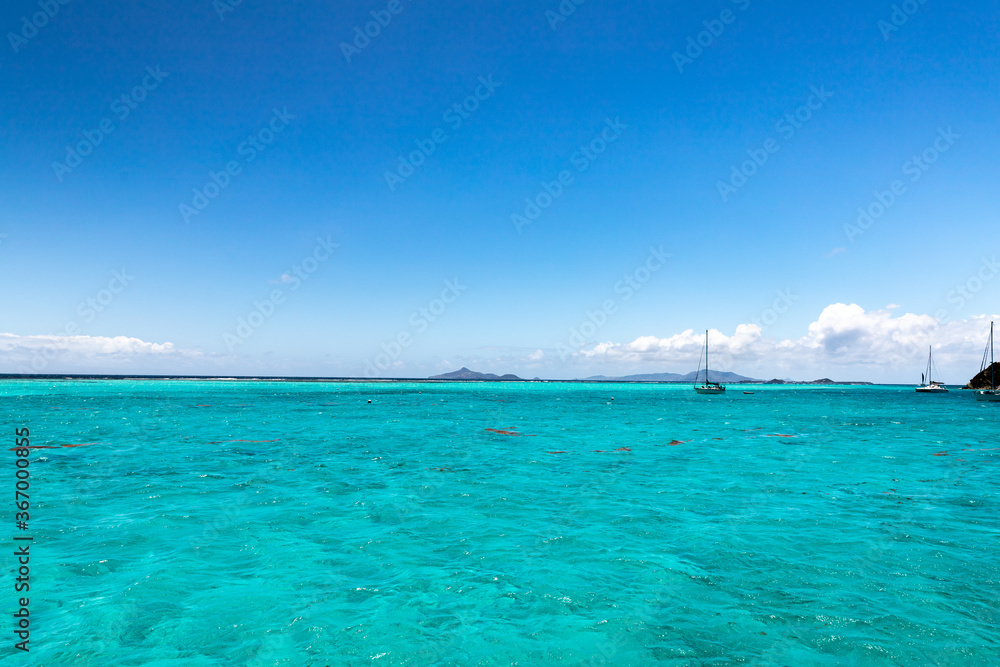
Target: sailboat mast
993, 372
706, 352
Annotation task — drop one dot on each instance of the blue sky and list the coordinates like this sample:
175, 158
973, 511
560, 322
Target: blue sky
271, 82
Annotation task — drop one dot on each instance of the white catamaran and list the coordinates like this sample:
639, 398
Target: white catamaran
991, 394
932, 386
708, 387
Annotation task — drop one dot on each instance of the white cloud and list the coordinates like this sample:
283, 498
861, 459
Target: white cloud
100, 354
844, 338
680, 347
845, 342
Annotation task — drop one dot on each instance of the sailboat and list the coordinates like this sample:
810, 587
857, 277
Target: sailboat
932, 386
991, 394
708, 387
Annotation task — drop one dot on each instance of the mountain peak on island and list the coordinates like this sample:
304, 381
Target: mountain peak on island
465, 374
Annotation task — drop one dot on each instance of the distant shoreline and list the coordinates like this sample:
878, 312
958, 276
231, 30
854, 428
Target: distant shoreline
355, 380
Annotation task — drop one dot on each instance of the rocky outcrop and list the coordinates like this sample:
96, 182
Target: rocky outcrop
982, 379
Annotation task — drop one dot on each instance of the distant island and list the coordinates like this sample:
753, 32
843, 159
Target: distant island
823, 381
715, 376
466, 374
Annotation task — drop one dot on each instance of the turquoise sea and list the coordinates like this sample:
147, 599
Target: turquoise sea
295, 523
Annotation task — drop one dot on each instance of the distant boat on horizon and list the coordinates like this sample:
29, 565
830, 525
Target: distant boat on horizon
708, 387
927, 384
990, 394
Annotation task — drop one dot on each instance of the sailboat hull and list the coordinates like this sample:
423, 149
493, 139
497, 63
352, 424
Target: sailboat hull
928, 385
710, 390
988, 395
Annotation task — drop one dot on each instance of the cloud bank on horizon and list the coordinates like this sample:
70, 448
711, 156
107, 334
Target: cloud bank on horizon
846, 342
